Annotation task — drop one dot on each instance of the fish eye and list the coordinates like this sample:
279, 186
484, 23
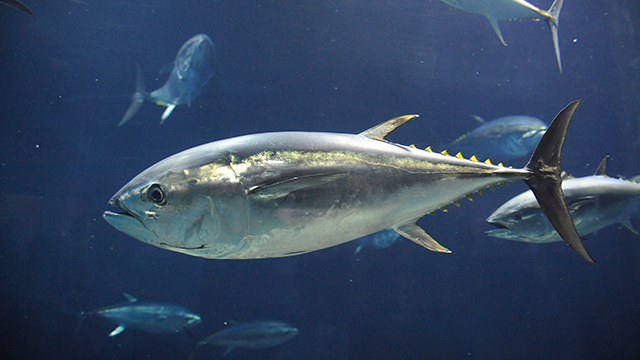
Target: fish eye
516, 216
156, 194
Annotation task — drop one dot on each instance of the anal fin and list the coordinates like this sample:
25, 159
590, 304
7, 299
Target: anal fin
167, 112
496, 28
415, 233
117, 330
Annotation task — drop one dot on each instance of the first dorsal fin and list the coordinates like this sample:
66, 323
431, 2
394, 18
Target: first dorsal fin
478, 119
379, 131
602, 168
129, 297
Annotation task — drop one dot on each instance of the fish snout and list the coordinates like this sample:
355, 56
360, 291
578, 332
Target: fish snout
193, 319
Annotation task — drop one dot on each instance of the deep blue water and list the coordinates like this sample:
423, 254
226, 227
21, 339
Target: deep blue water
67, 75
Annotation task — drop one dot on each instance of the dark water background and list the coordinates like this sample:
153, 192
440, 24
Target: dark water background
66, 77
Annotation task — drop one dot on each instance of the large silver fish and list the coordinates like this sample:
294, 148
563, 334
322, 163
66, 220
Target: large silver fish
192, 70
495, 10
288, 193
594, 202
505, 138
251, 335
150, 317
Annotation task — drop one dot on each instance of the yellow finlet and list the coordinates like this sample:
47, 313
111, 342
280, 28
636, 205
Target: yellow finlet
480, 192
469, 197
492, 187
412, 146
488, 162
459, 155
457, 203
428, 149
473, 158
445, 153
500, 165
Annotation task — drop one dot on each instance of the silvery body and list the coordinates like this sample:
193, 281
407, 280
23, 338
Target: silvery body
595, 202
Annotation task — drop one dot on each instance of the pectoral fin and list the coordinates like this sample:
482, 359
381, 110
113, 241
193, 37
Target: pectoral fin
117, 330
283, 188
575, 205
167, 112
414, 233
227, 351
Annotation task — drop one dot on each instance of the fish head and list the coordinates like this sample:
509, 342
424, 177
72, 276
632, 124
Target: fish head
524, 133
521, 219
280, 332
191, 202
191, 319
195, 60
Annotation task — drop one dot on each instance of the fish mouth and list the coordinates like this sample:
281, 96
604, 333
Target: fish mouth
501, 231
126, 220
115, 202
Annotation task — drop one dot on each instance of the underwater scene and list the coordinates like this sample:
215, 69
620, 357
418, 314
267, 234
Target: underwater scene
408, 179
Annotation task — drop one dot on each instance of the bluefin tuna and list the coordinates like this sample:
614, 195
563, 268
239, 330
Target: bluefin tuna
594, 202
380, 240
250, 335
146, 316
288, 193
496, 10
505, 138
192, 70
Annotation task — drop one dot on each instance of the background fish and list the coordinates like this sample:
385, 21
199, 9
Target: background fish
503, 139
150, 317
250, 335
380, 240
192, 70
594, 202
495, 10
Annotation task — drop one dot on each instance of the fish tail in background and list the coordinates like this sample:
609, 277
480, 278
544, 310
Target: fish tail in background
82, 315
554, 12
137, 99
546, 180
193, 350
17, 5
